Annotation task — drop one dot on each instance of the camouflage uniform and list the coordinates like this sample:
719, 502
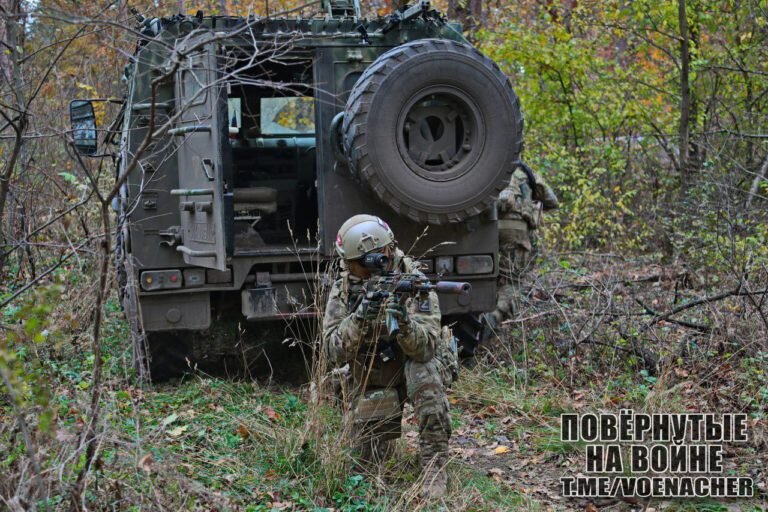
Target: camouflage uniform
520, 208
424, 366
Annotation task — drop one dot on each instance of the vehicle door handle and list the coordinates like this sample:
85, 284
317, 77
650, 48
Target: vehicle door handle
207, 163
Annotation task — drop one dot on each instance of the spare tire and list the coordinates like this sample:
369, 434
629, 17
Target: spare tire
434, 128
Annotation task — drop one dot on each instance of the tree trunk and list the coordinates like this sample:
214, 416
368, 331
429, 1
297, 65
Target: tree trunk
11, 21
685, 100
5, 61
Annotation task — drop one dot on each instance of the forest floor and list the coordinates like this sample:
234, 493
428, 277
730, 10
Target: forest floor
594, 336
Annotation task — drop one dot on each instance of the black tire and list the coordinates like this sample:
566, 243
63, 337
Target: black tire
434, 128
168, 355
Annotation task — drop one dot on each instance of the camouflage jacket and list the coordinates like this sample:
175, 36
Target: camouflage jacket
519, 201
344, 334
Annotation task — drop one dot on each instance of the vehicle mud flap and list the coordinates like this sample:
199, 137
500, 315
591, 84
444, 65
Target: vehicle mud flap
229, 214
259, 303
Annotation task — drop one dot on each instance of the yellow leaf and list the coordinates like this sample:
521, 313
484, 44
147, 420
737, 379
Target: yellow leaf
501, 449
89, 88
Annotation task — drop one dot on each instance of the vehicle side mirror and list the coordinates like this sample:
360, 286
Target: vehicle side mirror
83, 122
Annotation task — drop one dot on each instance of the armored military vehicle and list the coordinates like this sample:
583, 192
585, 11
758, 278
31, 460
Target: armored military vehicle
244, 143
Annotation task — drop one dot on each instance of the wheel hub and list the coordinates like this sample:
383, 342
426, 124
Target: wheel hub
439, 133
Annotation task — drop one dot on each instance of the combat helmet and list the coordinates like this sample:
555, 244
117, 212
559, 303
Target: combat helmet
362, 234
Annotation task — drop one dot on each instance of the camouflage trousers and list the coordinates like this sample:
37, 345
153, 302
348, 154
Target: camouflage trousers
425, 384
516, 264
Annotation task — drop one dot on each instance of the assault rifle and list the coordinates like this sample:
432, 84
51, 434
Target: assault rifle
380, 288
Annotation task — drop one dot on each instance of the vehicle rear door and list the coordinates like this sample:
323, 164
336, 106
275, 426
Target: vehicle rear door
198, 134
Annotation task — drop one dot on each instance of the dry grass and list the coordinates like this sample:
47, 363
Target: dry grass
211, 443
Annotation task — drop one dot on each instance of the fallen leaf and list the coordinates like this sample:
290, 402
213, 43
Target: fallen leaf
501, 449
176, 432
145, 463
243, 431
496, 473
520, 464
169, 419
271, 414
590, 508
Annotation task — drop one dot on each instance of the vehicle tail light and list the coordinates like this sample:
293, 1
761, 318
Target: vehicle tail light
474, 264
152, 280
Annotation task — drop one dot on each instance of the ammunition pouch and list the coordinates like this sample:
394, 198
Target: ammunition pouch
513, 234
448, 352
374, 372
530, 211
378, 413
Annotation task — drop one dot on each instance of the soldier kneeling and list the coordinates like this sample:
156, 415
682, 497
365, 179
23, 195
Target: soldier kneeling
413, 360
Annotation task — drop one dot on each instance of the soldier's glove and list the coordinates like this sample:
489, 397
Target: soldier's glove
399, 312
368, 310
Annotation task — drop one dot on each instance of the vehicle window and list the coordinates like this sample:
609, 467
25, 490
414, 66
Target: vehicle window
287, 116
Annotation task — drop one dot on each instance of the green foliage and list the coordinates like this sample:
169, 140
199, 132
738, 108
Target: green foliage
495, 497
720, 240
754, 394
584, 115
23, 375
600, 86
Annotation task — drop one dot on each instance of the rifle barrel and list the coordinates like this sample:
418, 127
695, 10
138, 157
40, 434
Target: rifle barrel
453, 287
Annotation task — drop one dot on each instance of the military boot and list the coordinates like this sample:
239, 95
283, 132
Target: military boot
434, 477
